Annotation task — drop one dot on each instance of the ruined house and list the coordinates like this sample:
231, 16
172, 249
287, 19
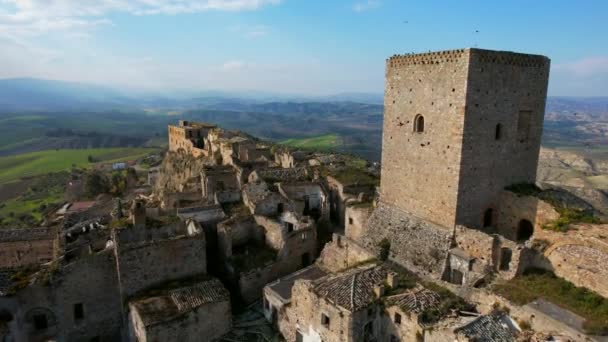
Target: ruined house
24, 247
187, 312
189, 137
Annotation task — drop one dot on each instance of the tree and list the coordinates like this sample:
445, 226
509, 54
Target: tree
95, 183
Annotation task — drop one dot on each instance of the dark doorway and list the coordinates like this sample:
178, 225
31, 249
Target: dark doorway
505, 258
40, 322
306, 205
487, 218
280, 208
525, 229
457, 277
305, 259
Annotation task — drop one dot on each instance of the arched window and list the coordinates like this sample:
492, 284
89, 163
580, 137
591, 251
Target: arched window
419, 124
498, 132
487, 218
525, 229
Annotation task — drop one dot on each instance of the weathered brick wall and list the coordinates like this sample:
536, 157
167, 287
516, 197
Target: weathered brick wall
151, 263
23, 253
500, 86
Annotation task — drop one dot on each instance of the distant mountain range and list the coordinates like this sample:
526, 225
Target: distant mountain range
29, 94
30, 109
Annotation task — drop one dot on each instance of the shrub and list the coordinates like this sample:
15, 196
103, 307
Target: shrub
385, 249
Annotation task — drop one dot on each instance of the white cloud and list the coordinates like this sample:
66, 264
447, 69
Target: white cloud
584, 77
367, 5
255, 31
34, 17
585, 66
232, 66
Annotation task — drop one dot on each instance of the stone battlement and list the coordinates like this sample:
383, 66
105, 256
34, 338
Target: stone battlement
484, 56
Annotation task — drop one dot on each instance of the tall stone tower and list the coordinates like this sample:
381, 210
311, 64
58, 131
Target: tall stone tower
459, 126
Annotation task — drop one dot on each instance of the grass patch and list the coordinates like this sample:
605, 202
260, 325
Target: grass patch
322, 142
568, 217
355, 176
26, 209
540, 284
37, 163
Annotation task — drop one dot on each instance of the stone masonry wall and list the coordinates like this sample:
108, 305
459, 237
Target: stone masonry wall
150, 263
510, 90
420, 170
342, 253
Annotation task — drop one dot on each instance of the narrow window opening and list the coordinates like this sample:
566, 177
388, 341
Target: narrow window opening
419, 124
325, 320
78, 311
487, 218
498, 132
397, 318
289, 227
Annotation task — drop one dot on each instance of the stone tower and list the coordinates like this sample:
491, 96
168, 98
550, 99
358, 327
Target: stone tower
459, 126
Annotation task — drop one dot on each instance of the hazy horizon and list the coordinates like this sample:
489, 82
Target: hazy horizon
289, 47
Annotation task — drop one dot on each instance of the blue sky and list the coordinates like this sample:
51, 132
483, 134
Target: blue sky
291, 46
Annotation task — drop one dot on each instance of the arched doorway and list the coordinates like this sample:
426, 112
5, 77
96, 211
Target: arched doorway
525, 229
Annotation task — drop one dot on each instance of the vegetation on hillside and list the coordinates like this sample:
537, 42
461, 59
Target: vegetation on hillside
37, 163
537, 284
319, 143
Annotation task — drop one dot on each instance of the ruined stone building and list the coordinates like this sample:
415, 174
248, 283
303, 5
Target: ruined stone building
24, 247
189, 137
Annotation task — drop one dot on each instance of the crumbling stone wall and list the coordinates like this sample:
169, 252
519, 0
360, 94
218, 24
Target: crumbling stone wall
355, 221
235, 232
305, 317
208, 321
416, 244
24, 253
90, 282
177, 170
140, 265
514, 208
342, 253
579, 256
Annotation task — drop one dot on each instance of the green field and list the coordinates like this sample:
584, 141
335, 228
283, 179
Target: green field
38, 163
322, 142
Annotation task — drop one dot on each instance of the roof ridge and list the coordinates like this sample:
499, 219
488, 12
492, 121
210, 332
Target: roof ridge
352, 291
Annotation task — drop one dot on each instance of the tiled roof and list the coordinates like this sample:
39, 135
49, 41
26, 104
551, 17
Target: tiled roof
416, 300
26, 234
490, 328
175, 302
352, 290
